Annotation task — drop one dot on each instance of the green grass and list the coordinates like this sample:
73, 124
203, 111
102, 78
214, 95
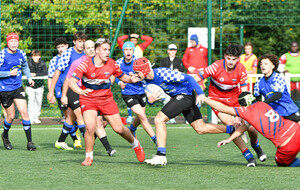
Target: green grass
194, 162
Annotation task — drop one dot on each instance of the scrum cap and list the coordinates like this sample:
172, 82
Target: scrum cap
142, 65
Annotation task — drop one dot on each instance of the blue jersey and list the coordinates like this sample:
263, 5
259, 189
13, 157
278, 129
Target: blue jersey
9, 62
285, 105
130, 88
67, 58
174, 83
51, 70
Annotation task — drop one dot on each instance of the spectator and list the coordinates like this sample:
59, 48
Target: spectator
289, 63
172, 61
195, 57
250, 61
140, 48
35, 94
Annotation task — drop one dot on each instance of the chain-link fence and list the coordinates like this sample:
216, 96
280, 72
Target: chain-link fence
270, 25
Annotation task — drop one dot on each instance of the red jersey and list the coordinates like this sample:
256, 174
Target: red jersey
268, 122
97, 78
195, 57
222, 83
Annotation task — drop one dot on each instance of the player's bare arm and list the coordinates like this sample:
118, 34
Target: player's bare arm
219, 106
73, 85
50, 95
236, 134
129, 79
64, 98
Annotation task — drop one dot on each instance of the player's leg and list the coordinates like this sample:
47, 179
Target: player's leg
129, 118
22, 107
227, 120
73, 103
101, 133
10, 115
141, 114
117, 125
61, 108
90, 119
255, 142
67, 127
166, 100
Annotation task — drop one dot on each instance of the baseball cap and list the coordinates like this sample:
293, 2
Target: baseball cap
172, 47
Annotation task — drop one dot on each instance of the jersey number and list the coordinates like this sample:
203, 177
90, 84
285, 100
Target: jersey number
272, 115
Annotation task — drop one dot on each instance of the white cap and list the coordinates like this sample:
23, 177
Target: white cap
172, 46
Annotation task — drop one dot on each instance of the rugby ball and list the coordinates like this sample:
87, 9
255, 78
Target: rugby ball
151, 88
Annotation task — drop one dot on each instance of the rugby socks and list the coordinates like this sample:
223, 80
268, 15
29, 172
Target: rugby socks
89, 154
230, 129
27, 129
247, 154
295, 163
154, 139
65, 131
255, 145
161, 151
81, 129
105, 143
134, 144
73, 132
132, 128
6, 128
129, 111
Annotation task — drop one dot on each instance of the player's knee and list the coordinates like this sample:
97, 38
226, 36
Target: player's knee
199, 127
142, 117
119, 130
159, 120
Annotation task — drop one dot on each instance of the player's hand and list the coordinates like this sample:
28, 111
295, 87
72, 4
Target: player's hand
192, 70
85, 92
122, 84
31, 82
51, 98
64, 100
223, 142
33, 74
153, 97
14, 72
134, 36
200, 99
134, 78
237, 122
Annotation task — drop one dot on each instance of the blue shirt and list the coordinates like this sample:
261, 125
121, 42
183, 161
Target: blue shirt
285, 106
174, 83
51, 70
67, 58
130, 88
9, 62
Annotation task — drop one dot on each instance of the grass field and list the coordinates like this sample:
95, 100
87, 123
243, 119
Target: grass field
194, 162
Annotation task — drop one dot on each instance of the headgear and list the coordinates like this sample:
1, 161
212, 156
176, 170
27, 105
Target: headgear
195, 38
11, 36
142, 65
128, 45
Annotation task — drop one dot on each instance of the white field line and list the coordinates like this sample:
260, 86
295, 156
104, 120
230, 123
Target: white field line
139, 128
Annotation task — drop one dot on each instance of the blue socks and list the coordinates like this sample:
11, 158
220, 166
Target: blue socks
154, 139
255, 145
161, 151
129, 111
132, 128
247, 154
295, 163
230, 129
27, 129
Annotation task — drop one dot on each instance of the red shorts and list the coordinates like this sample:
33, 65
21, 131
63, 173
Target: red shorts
287, 154
295, 86
105, 107
232, 102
